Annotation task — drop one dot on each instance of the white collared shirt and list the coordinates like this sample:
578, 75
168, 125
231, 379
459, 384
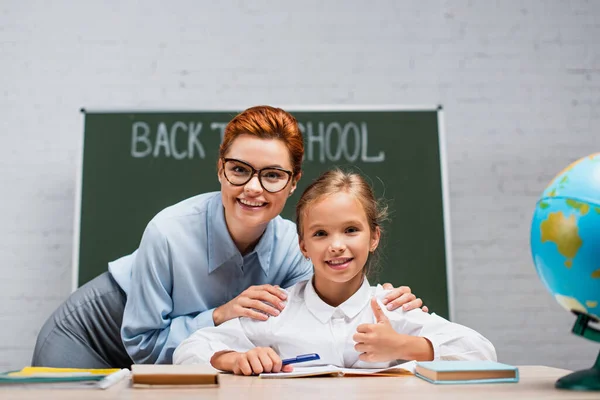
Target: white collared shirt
309, 325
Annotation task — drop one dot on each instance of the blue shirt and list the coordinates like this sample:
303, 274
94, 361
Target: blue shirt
187, 265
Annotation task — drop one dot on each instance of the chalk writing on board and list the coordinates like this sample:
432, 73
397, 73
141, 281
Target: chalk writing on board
333, 141
166, 141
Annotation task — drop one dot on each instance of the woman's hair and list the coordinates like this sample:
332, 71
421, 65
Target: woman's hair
266, 122
336, 181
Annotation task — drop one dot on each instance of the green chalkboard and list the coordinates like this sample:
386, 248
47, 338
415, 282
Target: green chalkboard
137, 163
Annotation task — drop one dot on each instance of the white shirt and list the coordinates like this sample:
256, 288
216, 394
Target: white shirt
309, 325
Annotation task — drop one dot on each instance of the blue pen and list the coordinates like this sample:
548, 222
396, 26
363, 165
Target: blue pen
301, 358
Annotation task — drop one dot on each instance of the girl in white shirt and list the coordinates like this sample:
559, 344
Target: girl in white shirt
336, 314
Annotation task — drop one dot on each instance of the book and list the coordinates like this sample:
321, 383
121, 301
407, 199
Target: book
406, 368
63, 378
454, 372
162, 375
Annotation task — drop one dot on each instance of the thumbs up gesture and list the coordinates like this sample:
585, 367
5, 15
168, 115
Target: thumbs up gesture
378, 342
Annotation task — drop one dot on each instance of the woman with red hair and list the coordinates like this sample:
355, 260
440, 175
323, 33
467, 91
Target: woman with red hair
201, 262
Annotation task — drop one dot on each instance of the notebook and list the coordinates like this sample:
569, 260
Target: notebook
406, 368
454, 372
63, 378
158, 375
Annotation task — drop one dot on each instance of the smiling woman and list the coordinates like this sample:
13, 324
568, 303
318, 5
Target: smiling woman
206, 260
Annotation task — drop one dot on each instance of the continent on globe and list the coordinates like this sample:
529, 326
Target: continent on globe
563, 232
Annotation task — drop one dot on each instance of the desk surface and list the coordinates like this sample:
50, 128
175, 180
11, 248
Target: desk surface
536, 382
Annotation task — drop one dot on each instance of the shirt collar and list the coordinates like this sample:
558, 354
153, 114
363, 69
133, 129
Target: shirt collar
221, 247
350, 308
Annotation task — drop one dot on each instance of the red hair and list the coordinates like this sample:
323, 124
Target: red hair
266, 122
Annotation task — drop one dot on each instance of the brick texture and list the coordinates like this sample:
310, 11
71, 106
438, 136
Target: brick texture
519, 81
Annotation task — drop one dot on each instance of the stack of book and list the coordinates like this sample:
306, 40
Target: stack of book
454, 372
161, 376
63, 378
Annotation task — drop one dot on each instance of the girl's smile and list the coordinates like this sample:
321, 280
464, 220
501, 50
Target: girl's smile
339, 263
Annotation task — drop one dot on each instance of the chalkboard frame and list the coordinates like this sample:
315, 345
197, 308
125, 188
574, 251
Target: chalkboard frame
292, 109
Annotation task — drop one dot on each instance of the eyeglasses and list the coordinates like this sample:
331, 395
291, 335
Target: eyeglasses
272, 179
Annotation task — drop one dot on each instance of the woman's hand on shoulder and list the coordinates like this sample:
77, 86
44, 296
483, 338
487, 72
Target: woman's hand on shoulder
256, 302
402, 297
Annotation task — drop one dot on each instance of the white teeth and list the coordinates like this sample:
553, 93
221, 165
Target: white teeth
251, 203
338, 261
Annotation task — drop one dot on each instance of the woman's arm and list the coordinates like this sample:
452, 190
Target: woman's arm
149, 333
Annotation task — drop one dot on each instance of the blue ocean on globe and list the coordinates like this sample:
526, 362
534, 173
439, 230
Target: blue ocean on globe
565, 237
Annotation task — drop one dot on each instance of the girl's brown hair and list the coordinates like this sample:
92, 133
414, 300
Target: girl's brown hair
266, 122
336, 181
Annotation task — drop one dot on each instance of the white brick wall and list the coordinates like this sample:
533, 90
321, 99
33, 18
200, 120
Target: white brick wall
519, 81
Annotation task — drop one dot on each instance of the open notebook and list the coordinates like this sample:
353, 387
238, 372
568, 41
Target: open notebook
407, 368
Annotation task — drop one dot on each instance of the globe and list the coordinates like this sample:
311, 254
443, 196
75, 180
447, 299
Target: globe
565, 237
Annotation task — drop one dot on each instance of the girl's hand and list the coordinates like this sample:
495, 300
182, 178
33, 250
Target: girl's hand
402, 296
252, 303
379, 342
257, 361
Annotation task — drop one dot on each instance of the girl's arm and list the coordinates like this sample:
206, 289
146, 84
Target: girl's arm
252, 362
203, 344
449, 341
231, 347
415, 335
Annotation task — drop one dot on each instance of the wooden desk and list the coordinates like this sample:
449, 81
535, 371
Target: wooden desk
536, 382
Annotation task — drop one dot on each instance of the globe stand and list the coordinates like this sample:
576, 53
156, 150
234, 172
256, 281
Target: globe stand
586, 379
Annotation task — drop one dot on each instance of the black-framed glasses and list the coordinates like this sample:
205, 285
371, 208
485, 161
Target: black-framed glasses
272, 179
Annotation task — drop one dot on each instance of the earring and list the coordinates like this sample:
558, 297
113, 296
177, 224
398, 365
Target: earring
307, 258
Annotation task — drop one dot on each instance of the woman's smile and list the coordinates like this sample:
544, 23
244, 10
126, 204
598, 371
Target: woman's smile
251, 204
